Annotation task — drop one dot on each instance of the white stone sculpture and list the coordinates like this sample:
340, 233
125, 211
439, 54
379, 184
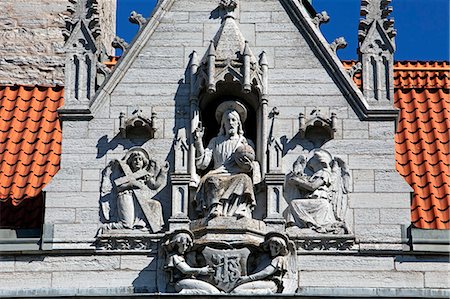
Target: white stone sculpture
267, 278
182, 275
127, 191
323, 182
227, 190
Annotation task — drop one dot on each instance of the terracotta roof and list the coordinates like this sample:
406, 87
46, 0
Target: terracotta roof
422, 138
30, 139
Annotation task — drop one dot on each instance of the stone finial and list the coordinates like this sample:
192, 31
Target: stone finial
138, 19
229, 6
119, 43
376, 10
338, 43
356, 68
86, 10
321, 18
376, 35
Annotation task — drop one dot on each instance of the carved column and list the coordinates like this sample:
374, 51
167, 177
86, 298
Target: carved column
275, 179
180, 180
376, 49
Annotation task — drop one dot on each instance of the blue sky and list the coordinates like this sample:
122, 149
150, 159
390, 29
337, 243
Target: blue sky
422, 25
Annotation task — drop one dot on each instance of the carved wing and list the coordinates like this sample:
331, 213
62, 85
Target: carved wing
339, 187
290, 282
108, 192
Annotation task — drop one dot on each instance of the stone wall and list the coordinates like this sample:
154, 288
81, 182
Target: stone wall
320, 275
155, 81
31, 40
298, 83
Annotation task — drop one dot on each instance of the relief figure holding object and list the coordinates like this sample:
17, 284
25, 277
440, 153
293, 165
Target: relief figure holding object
227, 189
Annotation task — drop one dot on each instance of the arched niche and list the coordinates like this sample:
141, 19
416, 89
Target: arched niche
227, 91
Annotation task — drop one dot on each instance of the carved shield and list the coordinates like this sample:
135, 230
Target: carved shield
228, 264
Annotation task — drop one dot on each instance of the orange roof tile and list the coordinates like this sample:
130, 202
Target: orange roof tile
30, 139
422, 139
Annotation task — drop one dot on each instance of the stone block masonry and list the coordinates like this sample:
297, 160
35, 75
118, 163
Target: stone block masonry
31, 40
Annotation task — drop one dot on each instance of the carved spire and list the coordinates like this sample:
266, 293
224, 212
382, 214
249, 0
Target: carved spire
82, 53
229, 54
376, 48
82, 10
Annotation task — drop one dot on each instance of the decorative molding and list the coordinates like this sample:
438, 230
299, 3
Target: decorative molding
119, 43
126, 242
338, 43
138, 121
317, 122
355, 69
333, 243
321, 18
138, 19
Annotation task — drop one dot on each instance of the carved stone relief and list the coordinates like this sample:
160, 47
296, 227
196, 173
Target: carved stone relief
221, 267
127, 190
322, 182
227, 189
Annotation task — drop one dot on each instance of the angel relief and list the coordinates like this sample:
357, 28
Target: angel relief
127, 190
322, 182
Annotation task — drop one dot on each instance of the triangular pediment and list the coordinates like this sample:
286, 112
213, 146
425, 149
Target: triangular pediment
229, 40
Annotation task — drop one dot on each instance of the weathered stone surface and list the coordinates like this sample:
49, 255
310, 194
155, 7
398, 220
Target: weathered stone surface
385, 279
6, 264
395, 216
389, 181
66, 263
378, 233
363, 180
437, 280
104, 279
58, 215
29, 280
64, 199
31, 40
378, 200
138, 262
367, 216
344, 263
422, 264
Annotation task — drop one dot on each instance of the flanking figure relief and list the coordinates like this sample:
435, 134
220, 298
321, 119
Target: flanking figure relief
127, 190
227, 189
322, 182
266, 269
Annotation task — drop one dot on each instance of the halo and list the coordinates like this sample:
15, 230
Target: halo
172, 234
231, 105
277, 234
137, 149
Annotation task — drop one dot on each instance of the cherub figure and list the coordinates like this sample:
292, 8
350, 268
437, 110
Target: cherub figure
323, 204
128, 186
